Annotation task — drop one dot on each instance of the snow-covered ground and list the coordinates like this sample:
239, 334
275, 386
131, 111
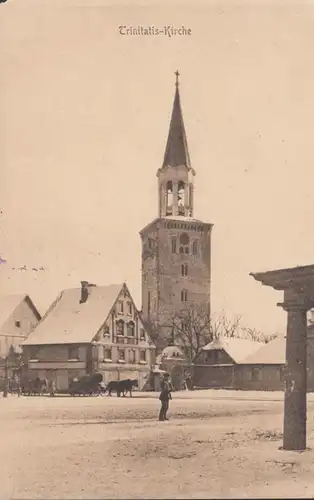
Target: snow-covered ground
216, 444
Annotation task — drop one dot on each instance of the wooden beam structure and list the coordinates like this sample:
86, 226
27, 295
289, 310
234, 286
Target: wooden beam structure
298, 286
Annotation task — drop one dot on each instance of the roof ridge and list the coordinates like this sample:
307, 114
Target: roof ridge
52, 306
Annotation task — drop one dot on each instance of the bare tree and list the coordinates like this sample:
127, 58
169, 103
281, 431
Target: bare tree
257, 336
193, 328
223, 326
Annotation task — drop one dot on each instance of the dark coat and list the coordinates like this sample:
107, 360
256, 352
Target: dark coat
165, 393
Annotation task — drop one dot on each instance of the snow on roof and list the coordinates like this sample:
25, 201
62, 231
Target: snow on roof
68, 321
237, 349
170, 352
273, 353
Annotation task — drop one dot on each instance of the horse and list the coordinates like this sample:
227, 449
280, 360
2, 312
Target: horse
121, 386
112, 386
127, 386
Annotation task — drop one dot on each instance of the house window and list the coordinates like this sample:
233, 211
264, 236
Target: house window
132, 357
73, 352
174, 245
184, 270
150, 243
215, 356
130, 329
184, 296
120, 306
34, 352
142, 355
18, 324
142, 334
256, 374
121, 354
194, 247
120, 327
107, 353
130, 308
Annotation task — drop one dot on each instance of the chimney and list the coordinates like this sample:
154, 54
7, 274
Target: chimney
84, 291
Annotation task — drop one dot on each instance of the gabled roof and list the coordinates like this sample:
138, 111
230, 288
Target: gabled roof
177, 153
70, 322
8, 304
273, 353
237, 349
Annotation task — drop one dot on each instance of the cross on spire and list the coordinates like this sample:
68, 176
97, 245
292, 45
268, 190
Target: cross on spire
176, 153
177, 77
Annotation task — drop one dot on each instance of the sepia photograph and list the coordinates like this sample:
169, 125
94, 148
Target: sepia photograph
156, 251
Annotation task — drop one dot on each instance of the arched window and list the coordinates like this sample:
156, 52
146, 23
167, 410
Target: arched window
184, 243
120, 327
184, 239
130, 329
169, 198
181, 198
194, 247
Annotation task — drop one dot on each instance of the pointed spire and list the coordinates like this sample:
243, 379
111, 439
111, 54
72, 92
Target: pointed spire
177, 148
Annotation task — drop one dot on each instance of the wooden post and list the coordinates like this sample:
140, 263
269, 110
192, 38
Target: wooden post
298, 286
294, 435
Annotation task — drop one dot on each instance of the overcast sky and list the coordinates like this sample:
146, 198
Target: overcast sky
84, 120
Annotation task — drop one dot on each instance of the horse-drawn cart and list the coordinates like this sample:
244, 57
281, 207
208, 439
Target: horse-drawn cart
87, 385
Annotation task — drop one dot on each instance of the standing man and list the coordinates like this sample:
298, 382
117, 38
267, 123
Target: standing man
164, 397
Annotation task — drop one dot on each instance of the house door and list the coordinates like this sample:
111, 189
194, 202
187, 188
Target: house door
62, 380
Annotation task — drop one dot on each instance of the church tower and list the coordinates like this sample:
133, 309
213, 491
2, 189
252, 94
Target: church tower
176, 247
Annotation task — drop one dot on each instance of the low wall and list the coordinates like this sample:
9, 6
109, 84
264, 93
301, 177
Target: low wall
241, 377
245, 377
211, 377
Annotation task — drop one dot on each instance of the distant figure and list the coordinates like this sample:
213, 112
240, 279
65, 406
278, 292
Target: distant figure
102, 387
165, 396
53, 388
